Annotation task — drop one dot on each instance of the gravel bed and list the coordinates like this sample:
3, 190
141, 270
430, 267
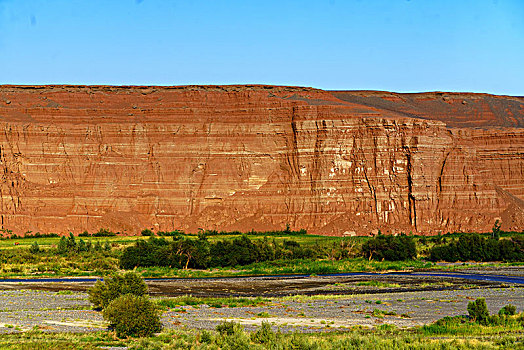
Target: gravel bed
22, 310
310, 315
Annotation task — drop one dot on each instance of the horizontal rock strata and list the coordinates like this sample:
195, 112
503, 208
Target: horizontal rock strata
77, 158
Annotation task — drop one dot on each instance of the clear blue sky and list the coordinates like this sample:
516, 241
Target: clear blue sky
395, 45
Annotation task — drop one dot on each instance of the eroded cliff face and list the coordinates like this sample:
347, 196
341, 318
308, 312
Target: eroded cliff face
79, 158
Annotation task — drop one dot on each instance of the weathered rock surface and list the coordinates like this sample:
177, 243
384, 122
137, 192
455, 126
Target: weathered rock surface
77, 158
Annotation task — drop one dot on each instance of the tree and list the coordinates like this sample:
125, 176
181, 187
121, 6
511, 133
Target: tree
495, 231
71, 242
390, 248
82, 247
62, 245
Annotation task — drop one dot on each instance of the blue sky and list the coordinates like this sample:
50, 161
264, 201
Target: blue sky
395, 45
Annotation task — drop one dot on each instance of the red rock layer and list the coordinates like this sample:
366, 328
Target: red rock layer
77, 158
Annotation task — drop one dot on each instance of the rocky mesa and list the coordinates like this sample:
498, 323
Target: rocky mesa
77, 158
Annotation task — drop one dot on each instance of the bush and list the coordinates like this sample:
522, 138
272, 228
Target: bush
478, 311
444, 253
390, 248
103, 232
132, 315
508, 310
69, 245
232, 336
264, 335
474, 247
62, 245
228, 328
147, 232
35, 248
102, 293
82, 246
206, 337
98, 246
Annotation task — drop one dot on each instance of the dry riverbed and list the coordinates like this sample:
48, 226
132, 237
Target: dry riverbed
308, 304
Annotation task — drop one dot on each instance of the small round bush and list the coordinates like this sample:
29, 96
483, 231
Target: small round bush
102, 293
508, 310
131, 315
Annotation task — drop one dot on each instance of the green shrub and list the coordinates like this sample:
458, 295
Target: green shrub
508, 310
145, 253
35, 248
132, 315
264, 335
474, 247
82, 246
391, 248
102, 293
228, 328
206, 337
200, 253
147, 232
103, 232
62, 245
84, 234
232, 336
478, 311
98, 247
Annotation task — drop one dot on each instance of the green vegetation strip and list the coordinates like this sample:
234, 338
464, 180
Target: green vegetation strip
188, 300
222, 254
451, 335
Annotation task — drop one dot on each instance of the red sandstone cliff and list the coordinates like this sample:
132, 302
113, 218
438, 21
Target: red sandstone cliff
258, 157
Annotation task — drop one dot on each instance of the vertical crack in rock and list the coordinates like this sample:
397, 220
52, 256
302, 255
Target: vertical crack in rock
411, 196
316, 171
292, 156
294, 159
441, 173
11, 176
371, 190
439, 179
